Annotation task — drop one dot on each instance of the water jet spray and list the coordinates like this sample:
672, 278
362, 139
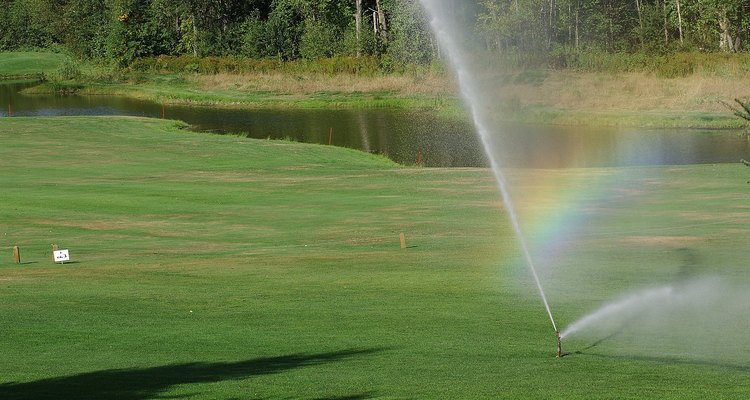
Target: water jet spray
446, 33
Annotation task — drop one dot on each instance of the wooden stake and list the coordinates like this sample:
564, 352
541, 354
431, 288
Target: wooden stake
330, 136
419, 158
403, 240
16, 255
54, 249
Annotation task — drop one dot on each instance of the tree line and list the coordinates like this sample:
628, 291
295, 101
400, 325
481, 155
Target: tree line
124, 30
650, 26
121, 31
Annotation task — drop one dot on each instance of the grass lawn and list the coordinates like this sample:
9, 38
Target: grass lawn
220, 267
29, 62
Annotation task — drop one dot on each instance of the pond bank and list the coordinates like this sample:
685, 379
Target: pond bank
412, 137
557, 98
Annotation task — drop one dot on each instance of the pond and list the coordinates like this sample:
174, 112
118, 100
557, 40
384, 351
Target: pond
406, 136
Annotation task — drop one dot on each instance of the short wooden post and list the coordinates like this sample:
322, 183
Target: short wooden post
16, 255
54, 249
330, 136
403, 240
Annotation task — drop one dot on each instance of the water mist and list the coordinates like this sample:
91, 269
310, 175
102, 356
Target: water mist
673, 306
447, 33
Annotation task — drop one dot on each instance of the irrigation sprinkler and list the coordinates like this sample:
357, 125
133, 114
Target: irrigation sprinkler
444, 27
559, 344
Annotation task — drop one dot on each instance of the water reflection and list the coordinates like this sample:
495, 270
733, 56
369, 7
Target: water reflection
402, 135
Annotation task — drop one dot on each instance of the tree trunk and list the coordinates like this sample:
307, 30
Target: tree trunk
195, 37
679, 21
570, 23
640, 21
550, 24
381, 19
738, 36
725, 40
578, 22
358, 22
610, 11
666, 30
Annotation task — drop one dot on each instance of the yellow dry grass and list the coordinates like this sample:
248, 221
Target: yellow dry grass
429, 84
633, 93
629, 92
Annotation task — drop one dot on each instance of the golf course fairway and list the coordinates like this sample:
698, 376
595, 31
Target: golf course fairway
220, 267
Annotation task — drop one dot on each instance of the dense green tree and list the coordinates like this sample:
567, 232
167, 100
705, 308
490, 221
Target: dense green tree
409, 39
87, 23
134, 32
28, 23
121, 31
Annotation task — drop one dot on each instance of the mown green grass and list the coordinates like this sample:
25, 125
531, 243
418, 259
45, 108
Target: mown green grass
29, 62
178, 89
222, 267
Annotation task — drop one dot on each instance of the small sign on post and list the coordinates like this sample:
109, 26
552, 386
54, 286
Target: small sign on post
61, 256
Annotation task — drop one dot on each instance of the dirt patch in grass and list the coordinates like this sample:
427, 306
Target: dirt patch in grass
665, 241
103, 225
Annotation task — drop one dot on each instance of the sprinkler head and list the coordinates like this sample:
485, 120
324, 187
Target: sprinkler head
559, 344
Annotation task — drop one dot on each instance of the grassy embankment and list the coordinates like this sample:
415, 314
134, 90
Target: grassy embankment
25, 65
608, 98
221, 267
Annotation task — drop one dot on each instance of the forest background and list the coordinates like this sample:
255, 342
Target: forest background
384, 34
646, 63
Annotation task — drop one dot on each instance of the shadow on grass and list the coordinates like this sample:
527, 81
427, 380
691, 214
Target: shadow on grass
149, 383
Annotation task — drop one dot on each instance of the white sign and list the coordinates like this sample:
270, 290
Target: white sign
61, 256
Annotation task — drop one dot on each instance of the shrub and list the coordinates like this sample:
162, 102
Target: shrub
68, 70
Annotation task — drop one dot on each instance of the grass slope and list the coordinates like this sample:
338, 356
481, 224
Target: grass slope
29, 62
221, 267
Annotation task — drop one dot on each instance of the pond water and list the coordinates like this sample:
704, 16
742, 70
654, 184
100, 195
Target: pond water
405, 136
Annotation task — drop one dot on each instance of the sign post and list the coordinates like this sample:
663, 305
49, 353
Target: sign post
61, 256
